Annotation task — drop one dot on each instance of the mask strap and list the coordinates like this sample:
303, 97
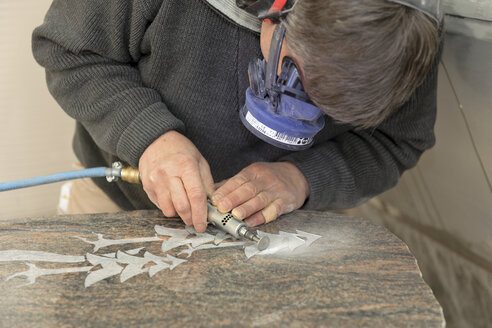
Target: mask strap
431, 8
271, 10
272, 63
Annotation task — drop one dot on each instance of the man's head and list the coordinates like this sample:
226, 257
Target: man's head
359, 59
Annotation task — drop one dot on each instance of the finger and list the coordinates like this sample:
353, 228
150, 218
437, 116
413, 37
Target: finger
272, 211
255, 204
207, 179
255, 219
218, 198
148, 187
166, 205
197, 196
163, 202
268, 214
158, 194
218, 185
247, 192
152, 197
180, 200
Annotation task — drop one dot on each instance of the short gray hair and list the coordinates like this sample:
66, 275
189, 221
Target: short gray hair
360, 59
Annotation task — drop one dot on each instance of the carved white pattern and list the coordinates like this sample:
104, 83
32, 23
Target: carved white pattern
35, 272
128, 264
102, 242
191, 249
283, 243
17, 255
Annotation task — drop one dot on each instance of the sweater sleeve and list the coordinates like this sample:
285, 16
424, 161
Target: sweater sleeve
357, 165
90, 50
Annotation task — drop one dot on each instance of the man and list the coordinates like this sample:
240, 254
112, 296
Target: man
160, 84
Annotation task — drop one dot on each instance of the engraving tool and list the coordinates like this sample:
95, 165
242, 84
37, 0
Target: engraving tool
229, 224
225, 222
222, 221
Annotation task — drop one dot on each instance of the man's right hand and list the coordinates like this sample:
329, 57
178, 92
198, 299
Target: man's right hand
177, 178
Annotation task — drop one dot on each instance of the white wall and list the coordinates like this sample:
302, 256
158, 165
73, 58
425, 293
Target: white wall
442, 208
35, 134
474, 9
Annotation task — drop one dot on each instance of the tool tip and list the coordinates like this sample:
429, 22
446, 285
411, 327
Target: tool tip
263, 243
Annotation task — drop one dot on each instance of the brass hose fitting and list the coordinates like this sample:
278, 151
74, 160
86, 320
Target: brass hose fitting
130, 174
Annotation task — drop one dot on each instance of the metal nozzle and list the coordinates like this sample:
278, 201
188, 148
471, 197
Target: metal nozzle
262, 243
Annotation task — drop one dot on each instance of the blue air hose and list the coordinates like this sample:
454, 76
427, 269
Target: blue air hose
95, 172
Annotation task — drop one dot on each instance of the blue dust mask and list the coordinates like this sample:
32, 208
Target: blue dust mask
277, 109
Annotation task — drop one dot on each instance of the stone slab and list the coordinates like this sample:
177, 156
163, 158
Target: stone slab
357, 274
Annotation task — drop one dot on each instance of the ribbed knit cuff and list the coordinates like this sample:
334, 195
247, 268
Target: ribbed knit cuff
310, 165
150, 124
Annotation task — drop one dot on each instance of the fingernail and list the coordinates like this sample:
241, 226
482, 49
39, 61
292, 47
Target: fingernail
238, 213
200, 227
224, 206
215, 198
250, 222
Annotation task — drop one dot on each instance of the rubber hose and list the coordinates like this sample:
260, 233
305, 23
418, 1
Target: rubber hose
36, 181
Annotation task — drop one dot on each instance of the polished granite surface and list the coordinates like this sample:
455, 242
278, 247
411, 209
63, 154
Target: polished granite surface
356, 274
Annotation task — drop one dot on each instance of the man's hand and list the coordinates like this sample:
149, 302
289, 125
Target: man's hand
262, 192
177, 178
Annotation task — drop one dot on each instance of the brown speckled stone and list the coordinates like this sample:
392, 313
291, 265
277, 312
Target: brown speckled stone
357, 275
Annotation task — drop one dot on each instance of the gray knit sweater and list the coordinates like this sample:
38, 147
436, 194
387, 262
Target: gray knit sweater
128, 71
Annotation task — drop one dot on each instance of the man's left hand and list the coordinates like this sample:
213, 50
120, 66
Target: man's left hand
262, 192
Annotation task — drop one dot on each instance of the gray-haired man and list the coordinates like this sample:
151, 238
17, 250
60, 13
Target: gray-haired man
163, 85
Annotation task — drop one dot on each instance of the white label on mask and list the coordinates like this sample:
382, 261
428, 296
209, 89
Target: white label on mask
278, 136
